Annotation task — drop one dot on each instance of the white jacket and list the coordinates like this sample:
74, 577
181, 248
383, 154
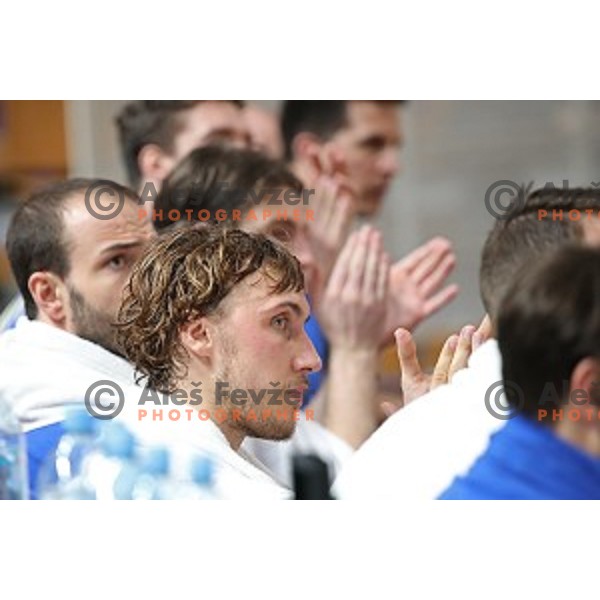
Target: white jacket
418, 451
44, 369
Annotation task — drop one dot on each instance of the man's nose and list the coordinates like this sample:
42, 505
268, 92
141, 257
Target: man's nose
390, 162
307, 359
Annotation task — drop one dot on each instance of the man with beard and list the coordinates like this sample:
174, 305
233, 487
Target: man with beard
222, 311
71, 266
154, 135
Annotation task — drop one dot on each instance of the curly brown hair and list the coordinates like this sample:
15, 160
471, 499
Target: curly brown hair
184, 275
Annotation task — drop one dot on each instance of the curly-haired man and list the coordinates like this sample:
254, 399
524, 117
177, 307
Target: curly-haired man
222, 311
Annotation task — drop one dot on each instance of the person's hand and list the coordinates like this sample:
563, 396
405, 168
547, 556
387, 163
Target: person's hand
353, 305
453, 357
414, 284
332, 208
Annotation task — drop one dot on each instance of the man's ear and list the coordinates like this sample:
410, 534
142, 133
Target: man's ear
154, 164
306, 147
197, 337
584, 390
50, 296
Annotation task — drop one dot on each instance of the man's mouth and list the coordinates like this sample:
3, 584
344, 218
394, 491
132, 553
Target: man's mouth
297, 393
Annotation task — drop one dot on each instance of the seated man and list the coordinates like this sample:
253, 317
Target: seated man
71, 268
549, 339
236, 188
154, 135
353, 318
211, 310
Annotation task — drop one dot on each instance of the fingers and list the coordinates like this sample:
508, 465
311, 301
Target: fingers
410, 262
335, 215
438, 259
463, 351
407, 356
333, 212
483, 333
444, 362
440, 300
324, 201
371, 274
316, 166
436, 276
383, 279
339, 274
358, 263
341, 220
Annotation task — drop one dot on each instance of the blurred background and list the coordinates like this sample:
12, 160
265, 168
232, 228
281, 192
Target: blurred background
454, 151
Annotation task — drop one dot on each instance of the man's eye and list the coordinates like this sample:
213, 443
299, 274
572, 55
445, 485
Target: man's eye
374, 144
117, 262
280, 322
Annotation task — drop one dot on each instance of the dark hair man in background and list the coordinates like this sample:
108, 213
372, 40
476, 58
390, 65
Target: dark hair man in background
156, 134
366, 136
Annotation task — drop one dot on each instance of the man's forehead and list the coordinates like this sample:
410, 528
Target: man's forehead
82, 227
212, 114
362, 113
255, 293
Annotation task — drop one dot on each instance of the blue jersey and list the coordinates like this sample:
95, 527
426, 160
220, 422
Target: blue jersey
317, 337
525, 460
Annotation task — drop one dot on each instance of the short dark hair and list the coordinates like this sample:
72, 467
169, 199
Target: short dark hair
524, 237
323, 118
145, 122
35, 240
198, 182
186, 274
548, 321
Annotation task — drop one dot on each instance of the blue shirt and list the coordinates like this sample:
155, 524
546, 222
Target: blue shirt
526, 460
317, 337
41, 444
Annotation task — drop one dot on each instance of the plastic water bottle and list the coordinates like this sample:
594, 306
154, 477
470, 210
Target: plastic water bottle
151, 482
201, 485
13, 456
62, 476
112, 469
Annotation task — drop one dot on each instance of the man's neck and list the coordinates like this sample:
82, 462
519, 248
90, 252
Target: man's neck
585, 436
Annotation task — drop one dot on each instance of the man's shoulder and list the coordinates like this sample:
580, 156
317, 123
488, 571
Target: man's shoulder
420, 449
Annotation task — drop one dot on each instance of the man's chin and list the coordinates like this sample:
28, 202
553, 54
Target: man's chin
370, 206
275, 432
